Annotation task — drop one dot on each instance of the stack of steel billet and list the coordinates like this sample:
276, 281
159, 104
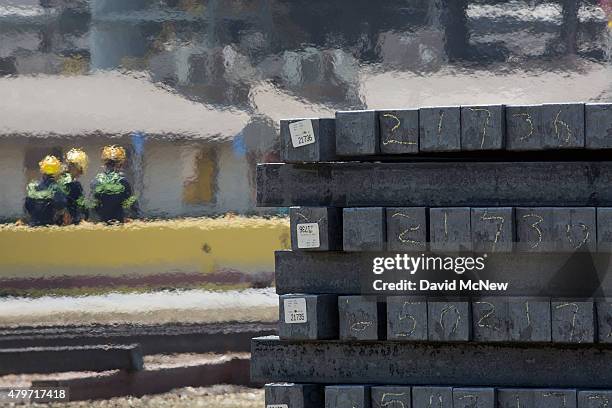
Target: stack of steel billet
421, 276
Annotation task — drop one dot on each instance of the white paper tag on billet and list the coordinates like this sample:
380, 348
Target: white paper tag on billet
308, 235
295, 310
301, 133
277, 406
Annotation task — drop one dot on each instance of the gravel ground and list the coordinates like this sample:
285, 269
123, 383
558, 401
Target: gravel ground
218, 396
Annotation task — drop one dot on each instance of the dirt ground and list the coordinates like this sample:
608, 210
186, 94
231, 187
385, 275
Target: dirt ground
218, 396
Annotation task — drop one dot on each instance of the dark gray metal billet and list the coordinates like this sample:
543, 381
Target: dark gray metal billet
449, 321
361, 318
197, 371
524, 127
474, 398
436, 184
550, 398
556, 229
406, 229
336, 272
71, 358
440, 129
319, 320
573, 321
490, 319
406, 318
399, 131
594, 399
322, 149
604, 321
294, 395
391, 396
598, 125
515, 397
604, 229
535, 229
536, 398
439, 397
563, 125
529, 320
450, 229
328, 221
165, 338
483, 127
492, 229
575, 229
353, 396
363, 229
357, 133
413, 363
530, 274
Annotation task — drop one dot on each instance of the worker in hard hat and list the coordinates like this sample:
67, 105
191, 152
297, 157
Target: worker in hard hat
45, 201
112, 192
75, 164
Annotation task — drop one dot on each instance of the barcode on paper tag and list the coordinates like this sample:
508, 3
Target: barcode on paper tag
277, 406
295, 310
308, 235
301, 133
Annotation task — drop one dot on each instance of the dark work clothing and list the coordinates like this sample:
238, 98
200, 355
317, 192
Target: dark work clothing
44, 202
75, 199
113, 197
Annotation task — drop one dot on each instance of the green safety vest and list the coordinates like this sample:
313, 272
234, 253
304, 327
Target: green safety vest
82, 202
48, 193
109, 183
63, 181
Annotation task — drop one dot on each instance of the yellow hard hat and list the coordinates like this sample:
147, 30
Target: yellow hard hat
50, 165
114, 153
77, 157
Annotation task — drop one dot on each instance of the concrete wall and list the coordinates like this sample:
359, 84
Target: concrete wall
233, 187
12, 179
161, 193
168, 165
